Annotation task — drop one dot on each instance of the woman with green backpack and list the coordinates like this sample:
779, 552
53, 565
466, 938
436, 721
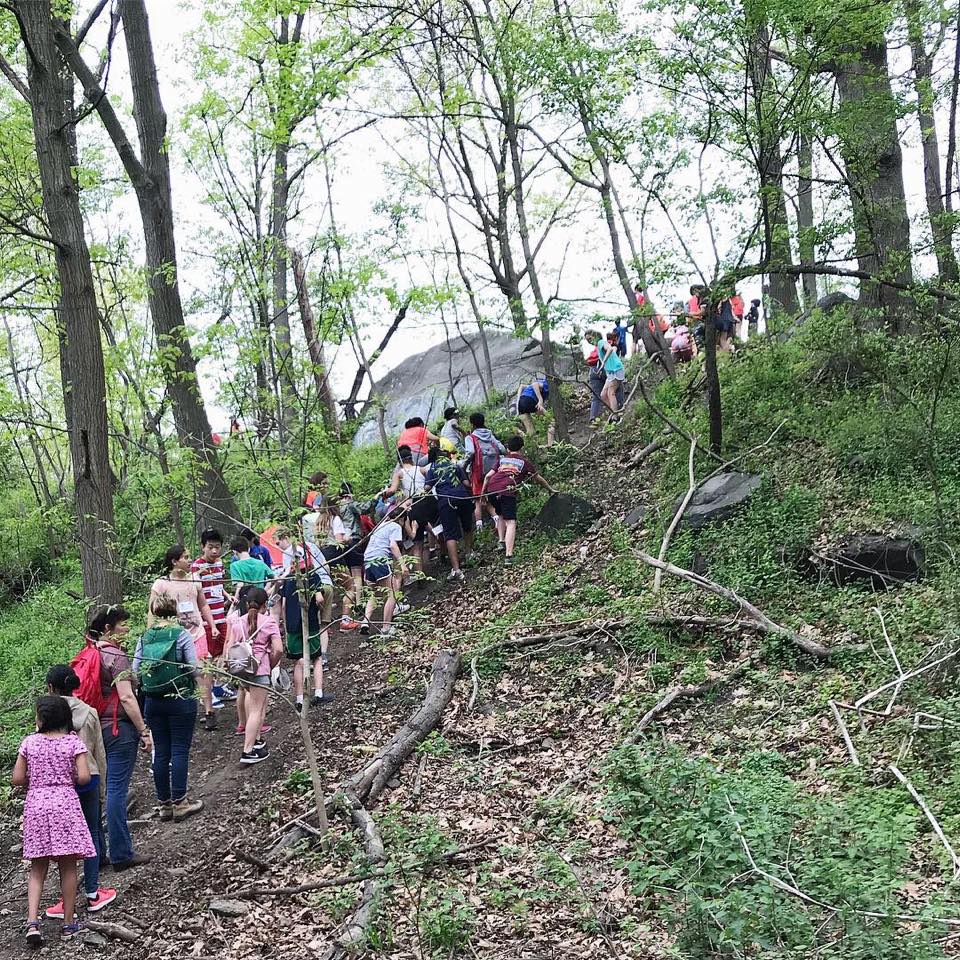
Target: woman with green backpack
166, 663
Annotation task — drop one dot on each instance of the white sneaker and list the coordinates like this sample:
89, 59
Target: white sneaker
402, 607
217, 704
387, 631
454, 575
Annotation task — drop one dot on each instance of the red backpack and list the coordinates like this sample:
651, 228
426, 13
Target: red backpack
366, 524
87, 665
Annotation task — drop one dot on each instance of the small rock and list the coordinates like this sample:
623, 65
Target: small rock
393, 783
636, 516
229, 908
93, 939
565, 511
719, 497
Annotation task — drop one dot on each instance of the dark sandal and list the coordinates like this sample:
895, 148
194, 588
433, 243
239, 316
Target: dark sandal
69, 931
34, 934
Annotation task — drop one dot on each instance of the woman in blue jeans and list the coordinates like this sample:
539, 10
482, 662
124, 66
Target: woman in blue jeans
122, 724
166, 663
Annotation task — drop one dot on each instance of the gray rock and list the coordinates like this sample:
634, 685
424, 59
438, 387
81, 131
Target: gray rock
719, 497
883, 560
93, 939
230, 908
447, 375
565, 511
636, 516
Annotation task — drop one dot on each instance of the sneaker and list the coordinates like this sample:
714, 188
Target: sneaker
56, 911
34, 935
325, 661
479, 525
265, 728
254, 756
365, 626
165, 812
70, 930
299, 706
403, 607
241, 730
138, 860
319, 699
210, 721
186, 808
454, 576
347, 624
387, 631
225, 693
508, 559
501, 545
104, 897
217, 704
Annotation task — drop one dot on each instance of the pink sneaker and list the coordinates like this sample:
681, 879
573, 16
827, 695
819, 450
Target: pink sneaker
105, 896
241, 730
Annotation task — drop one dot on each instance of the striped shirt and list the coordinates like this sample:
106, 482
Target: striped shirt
211, 578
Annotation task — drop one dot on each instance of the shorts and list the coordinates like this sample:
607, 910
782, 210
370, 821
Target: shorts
617, 374
215, 642
527, 405
377, 570
349, 555
293, 646
455, 516
505, 504
259, 681
723, 324
425, 511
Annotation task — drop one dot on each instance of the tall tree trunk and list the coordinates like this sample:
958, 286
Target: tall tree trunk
776, 225
318, 363
151, 181
874, 167
941, 227
365, 370
279, 257
805, 227
82, 355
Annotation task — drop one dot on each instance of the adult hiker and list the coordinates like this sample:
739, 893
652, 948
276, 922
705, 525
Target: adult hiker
482, 451
382, 567
208, 569
407, 479
316, 580
51, 764
166, 663
455, 507
451, 427
596, 378
260, 633
418, 438
612, 368
122, 724
501, 486
62, 681
531, 399
193, 614
351, 537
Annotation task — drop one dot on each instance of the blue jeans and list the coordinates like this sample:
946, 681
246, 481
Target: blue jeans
90, 805
171, 721
595, 382
121, 750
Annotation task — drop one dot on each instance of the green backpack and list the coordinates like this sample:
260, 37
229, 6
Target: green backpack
162, 673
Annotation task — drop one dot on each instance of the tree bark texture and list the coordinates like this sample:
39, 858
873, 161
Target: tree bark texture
79, 321
870, 147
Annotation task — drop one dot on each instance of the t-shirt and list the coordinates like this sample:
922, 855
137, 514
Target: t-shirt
259, 551
528, 390
681, 339
310, 524
378, 546
267, 630
621, 335
448, 479
292, 612
694, 309
211, 577
411, 480
114, 665
187, 593
736, 304
451, 433
250, 570
514, 469
611, 361
415, 438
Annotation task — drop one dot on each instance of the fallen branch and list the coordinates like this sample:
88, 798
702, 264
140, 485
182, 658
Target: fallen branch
115, 930
646, 451
899, 681
763, 622
845, 733
690, 620
912, 790
675, 428
684, 503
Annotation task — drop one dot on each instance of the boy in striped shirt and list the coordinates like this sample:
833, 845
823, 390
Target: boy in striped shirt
208, 569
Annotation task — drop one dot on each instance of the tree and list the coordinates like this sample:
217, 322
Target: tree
150, 175
78, 314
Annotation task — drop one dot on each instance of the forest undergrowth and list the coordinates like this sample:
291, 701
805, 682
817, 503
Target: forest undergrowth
537, 821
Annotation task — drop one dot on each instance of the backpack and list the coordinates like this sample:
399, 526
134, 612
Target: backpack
486, 456
162, 673
366, 523
86, 665
239, 658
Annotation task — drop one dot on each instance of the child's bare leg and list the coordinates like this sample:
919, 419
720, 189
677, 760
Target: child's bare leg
38, 874
68, 886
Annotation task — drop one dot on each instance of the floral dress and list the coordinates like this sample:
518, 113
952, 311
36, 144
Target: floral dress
53, 823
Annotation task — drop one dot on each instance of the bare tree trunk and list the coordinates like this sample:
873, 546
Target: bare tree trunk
82, 354
366, 363
874, 166
321, 376
151, 181
941, 227
805, 227
714, 408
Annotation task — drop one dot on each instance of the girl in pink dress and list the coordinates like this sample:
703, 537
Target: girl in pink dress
51, 763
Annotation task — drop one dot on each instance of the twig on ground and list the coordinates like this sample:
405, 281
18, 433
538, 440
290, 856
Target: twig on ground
921, 803
811, 647
684, 503
115, 930
845, 733
658, 444
899, 681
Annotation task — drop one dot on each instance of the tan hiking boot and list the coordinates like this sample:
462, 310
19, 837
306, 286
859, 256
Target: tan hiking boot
186, 808
165, 812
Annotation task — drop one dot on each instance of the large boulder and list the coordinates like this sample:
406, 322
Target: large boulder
881, 559
719, 497
565, 511
446, 375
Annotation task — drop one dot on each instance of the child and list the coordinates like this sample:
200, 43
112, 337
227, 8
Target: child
245, 569
383, 548
451, 427
52, 763
532, 398
482, 452
262, 632
613, 368
455, 503
208, 569
319, 610
256, 548
682, 346
501, 485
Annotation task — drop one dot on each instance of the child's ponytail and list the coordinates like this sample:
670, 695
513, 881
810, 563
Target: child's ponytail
256, 598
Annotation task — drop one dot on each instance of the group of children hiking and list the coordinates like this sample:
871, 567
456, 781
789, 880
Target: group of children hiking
210, 622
